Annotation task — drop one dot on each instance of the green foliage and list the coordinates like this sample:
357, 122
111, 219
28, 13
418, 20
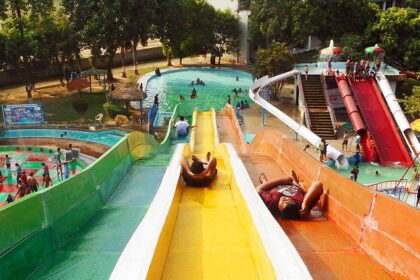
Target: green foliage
293, 21
412, 103
274, 60
352, 46
112, 110
398, 32
81, 106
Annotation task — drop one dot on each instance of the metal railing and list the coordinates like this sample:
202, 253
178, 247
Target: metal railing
393, 187
329, 104
303, 101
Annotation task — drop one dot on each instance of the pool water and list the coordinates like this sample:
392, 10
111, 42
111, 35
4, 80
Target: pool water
367, 173
30, 158
106, 137
219, 82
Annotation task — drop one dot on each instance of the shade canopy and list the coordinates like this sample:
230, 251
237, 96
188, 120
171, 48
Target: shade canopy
93, 72
128, 92
374, 50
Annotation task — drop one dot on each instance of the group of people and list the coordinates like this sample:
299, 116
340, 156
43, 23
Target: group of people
362, 70
197, 83
27, 184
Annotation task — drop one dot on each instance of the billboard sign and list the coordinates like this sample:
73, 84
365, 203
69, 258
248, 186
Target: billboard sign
23, 114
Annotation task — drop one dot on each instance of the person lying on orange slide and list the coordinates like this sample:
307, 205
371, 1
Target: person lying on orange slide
285, 197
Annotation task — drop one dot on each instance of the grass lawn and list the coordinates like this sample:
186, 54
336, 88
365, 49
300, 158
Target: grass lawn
61, 110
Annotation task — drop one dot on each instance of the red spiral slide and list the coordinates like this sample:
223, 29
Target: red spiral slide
380, 123
369, 152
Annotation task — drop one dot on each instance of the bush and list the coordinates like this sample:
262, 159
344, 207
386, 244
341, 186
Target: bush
112, 110
81, 106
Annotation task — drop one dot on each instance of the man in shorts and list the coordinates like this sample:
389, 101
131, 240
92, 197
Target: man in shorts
286, 198
201, 173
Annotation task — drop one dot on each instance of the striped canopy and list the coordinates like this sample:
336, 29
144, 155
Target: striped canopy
374, 50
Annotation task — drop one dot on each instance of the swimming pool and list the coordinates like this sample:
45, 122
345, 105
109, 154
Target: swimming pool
106, 137
367, 173
220, 83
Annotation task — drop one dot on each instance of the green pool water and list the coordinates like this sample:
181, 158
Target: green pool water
367, 173
219, 84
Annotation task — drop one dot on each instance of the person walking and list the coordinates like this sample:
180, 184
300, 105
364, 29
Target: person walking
345, 141
306, 70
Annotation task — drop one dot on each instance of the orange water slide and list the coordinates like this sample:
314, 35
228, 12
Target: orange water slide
354, 233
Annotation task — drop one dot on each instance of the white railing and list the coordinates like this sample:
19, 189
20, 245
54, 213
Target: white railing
303, 101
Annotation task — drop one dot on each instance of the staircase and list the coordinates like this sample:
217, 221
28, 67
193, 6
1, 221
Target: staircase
319, 115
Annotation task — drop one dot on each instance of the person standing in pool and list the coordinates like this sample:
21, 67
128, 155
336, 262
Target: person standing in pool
57, 160
7, 160
156, 101
46, 175
18, 173
228, 100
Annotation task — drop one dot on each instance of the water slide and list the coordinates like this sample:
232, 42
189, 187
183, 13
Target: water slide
369, 151
219, 232
307, 134
354, 233
398, 114
380, 124
78, 228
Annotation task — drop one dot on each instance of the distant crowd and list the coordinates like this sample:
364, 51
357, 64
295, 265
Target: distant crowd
28, 183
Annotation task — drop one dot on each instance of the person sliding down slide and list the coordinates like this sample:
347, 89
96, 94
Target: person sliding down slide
200, 173
286, 198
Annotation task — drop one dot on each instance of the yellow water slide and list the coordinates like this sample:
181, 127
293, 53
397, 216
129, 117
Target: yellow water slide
222, 231
209, 240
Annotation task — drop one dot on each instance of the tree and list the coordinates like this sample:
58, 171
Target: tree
17, 12
99, 24
140, 16
272, 61
398, 32
292, 21
352, 46
412, 103
226, 34
171, 27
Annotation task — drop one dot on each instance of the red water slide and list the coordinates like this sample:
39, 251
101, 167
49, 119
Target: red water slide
382, 128
369, 152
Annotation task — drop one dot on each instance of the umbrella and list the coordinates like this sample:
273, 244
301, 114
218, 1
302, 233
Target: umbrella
328, 53
331, 50
374, 50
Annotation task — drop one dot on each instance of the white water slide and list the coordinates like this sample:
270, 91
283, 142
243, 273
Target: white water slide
307, 134
399, 116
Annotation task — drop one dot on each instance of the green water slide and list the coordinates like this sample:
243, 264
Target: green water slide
78, 228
